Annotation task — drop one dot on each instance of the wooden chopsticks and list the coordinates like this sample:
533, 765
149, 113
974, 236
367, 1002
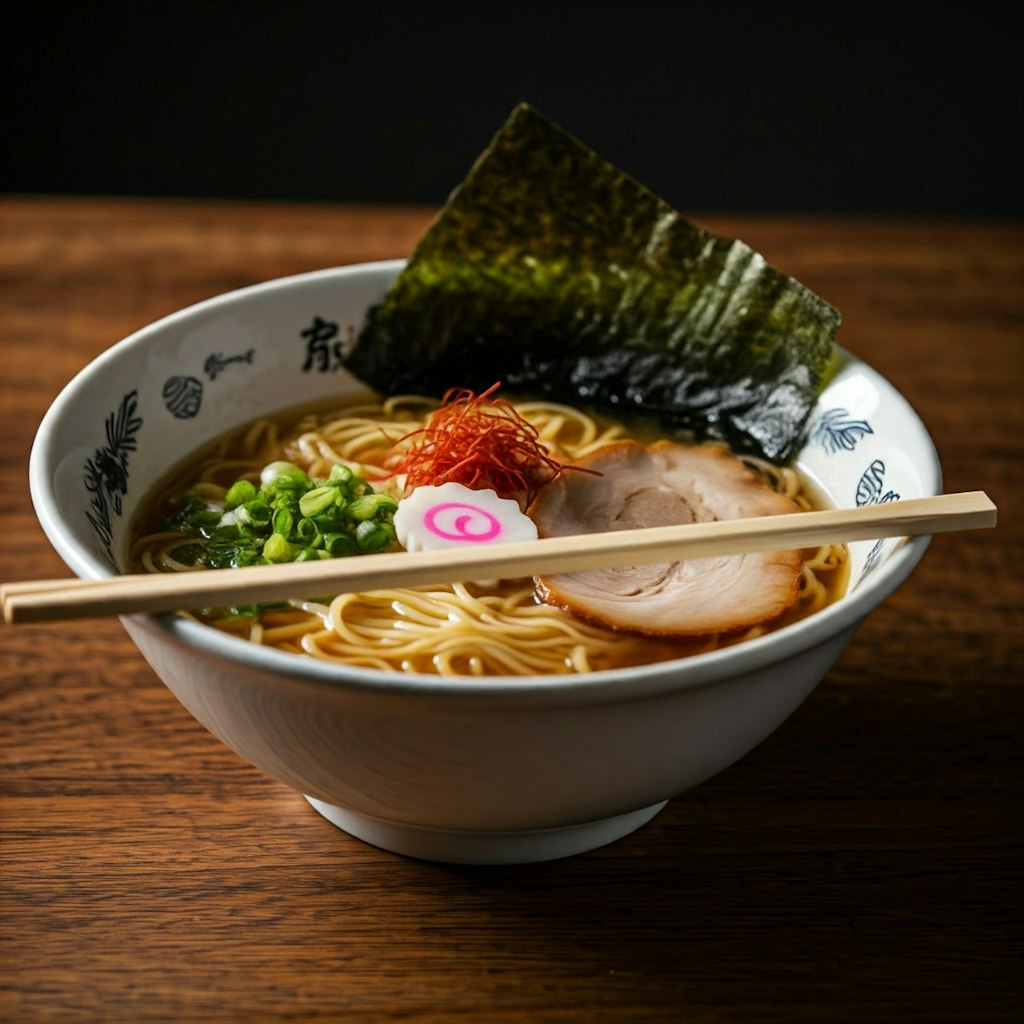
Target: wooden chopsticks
50, 600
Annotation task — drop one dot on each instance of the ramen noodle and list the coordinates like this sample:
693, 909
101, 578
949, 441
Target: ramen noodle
465, 629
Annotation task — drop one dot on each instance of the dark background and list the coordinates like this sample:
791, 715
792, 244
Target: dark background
733, 106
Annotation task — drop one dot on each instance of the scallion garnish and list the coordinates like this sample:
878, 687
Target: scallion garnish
319, 499
285, 517
238, 494
368, 506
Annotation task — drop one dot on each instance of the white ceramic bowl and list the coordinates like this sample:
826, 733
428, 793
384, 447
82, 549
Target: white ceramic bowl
501, 770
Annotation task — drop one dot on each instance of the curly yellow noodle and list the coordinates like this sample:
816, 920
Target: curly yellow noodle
567, 432
459, 630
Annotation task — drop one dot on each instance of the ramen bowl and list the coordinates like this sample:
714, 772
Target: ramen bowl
471, 770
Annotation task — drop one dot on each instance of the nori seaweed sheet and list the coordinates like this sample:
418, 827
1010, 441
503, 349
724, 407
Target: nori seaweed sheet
555, 272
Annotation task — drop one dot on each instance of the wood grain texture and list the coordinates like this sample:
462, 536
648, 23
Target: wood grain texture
862, 864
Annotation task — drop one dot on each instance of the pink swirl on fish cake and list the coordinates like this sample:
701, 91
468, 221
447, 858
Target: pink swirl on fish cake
445, 521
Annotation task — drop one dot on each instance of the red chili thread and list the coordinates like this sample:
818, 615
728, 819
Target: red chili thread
482, 443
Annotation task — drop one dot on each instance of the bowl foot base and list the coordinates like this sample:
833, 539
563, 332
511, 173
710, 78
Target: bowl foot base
470, 847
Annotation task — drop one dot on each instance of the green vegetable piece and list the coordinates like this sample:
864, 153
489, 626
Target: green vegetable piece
282, 476
340, 474
239, 493
340, 545
258, 512
277, 549
283, 522
255, 513
332, 521
318, 500
368, 506
372, 537
559, 274
308, 533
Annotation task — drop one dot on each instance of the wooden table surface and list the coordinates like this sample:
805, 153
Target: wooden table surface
863, 864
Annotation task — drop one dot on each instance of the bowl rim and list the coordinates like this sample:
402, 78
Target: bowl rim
631, 683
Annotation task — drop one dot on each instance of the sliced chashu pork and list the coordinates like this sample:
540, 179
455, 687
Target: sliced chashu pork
664, 485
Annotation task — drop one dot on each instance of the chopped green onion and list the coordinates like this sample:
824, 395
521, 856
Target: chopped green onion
317, 500
339, 545
258, 512
277, 549
372, 537
286, 517
239, 493
278, 474
283, 522
369, 505
308, 533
